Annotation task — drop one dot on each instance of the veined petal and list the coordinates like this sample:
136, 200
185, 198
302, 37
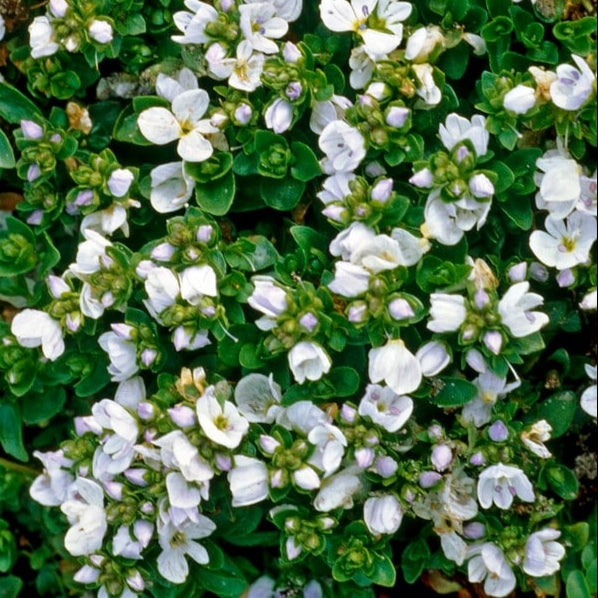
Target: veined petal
337, 15
190, 106
159, 125
194, 147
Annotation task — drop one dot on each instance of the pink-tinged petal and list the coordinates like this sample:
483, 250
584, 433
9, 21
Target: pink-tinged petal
190, 106
159, 125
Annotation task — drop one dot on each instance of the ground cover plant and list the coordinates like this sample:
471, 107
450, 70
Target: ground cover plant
298, 298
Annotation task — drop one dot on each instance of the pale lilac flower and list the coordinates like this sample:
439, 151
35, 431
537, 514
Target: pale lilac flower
308, 361
248, 481
385, 408
42, 37
260, 26
520, 99
177, 542
382, 514
396, 365
122, 352
423, 42
448, 312
86, 515
542, 553
338, 490
258, 398
51, 487
242, 72
567, 243
574, 86
499, 483
588, 397
442, 457
279, 115
343, 145
161, 126
100, 31
458, 128
490, 566
223, 424
34, 328
515, 310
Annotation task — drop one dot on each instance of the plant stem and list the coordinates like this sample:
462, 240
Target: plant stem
12, 466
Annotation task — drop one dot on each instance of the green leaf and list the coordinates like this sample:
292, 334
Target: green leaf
227, 582
518, 210
577, 586
14, 106
7, 157
216, 197
41, 407
11, 432
126, 129
345, 380
561, 480
496, 29
305, 165
384, 572
452, 392
505, 176
414, 560
95, 380
281, 194
142, 103
498, 7
10, 586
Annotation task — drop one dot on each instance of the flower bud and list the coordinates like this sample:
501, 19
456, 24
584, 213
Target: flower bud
291, 53
364, 457
382, 190
474, 530
400, 309
100, 31
442, 457
435, 432
498, 432
348, 413
308, 321
477, 459
268, 444
182, 416
422, 178
520, 99
120, 181
539, 272
306, 478
57, 286
33, 173
293, 90
243, 113
565, 278
397, 116
58, 8
385, 466
135, 581
31, 130
481, 186
163, 252
427, 479
145, 410
433, 358
223, 462
493, 341
518, 272
136, 475
279, 115
379, 90
358, 312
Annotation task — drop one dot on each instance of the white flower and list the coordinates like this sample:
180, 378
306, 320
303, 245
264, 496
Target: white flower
340, 15
193, 24
308, 361
588, 397
260, 25
448, 312
258, 398
221, 424
130, 541
490, 566
248, 481
325, 112
383, 514
242, 72
396, 365
514, 309
567, 243
350, 280
427, 90
85, 512
51, 487
422, 42
362, 67
574, 86
100, 31
542, 553
385, 408
343, 145
32, 328
330, 445
2, 27
177, 452
268, 298
122, 352
520, 99
178, 541
162, 288
590, 300
536, 436
499, 483
41, 38
171, 188
458, 128
170, 87
198, 282
560, 186
91, 254
161, 126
